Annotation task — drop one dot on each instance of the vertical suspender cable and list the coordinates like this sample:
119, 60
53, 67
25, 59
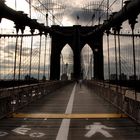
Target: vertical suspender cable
107, 9
15, 65
4, 67
108, 56
120, 68
15, 59
0, 58
9, 41
39, 57
116, 65
134, 65
132, 22
93, 20
139, 61
62, 64
122, 4
20, 57
134, 56
31, 53
108, 44
15, 4
44, 73
116, 61
47, 18
49, 59
30, 8
88, 65
20, 64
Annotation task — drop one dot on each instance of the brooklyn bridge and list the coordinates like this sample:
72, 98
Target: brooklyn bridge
69, 69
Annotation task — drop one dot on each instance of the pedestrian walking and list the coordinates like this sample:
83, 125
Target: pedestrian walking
80, 83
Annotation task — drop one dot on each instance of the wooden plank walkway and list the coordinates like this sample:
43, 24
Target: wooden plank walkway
69, 113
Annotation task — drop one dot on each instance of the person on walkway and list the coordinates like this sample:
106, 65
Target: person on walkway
80, 83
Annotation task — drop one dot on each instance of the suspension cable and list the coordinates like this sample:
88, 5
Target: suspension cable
116, 60
31, 53
0, 57
39, 11
134, 56
46, 9
108, 57
50, 12
120, 68
30, 9
109, 7
122, 3
15, 60
16, 4
97, 8
44, 73
39, 57
49, 59
20, 62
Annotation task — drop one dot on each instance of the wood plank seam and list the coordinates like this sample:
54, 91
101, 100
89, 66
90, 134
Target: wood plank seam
68, 116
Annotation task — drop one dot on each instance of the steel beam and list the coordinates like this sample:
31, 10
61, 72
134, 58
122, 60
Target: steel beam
20, 18
130, 10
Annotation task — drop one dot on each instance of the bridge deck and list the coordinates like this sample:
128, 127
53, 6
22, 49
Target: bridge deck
70, 113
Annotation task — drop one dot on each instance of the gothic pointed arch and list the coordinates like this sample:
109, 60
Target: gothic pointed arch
76, 37
66, 63
87, 62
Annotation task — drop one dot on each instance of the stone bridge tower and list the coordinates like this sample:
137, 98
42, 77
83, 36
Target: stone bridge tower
76, 36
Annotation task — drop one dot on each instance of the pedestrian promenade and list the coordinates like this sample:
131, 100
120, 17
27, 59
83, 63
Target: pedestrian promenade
70, 113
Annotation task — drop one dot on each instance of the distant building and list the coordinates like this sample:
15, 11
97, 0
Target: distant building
113, 77
132, 77
64, 77
123, 76
72, 76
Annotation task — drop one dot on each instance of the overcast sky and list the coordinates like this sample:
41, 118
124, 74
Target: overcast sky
72, 12
73, 8
69, 11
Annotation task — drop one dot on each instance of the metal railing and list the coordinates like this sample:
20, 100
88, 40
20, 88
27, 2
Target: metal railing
14, 98
121, 97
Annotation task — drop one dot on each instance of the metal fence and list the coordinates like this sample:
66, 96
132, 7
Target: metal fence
12, 99
125, 99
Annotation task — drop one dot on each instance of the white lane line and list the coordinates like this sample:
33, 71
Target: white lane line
70, 103
64, 128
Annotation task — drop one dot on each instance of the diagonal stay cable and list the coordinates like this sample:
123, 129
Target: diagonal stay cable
109, 7
49, 12
39, 10
97, 8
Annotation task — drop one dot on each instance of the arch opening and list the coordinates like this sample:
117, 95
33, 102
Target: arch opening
87, 62
66, 63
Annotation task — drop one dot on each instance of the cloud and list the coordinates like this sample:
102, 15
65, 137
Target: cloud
66, 11
86, 16
69, 10
9, 50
